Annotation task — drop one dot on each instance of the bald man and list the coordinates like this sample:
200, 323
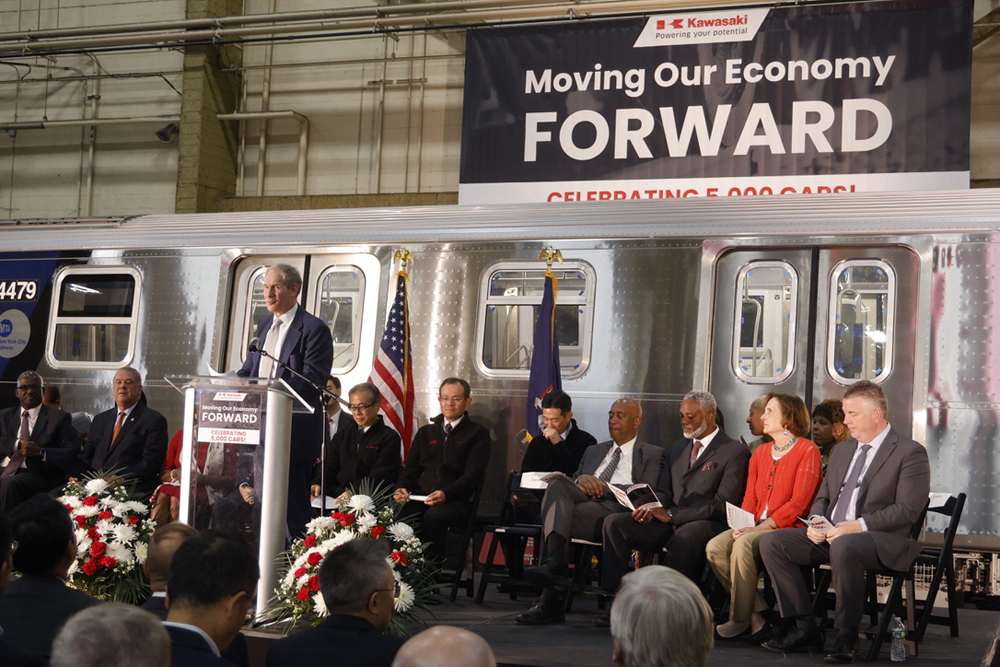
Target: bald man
445, 646
162, 545
577, 506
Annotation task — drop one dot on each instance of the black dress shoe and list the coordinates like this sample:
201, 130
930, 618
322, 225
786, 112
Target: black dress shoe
844, 650
546, 610
796, 641
602, 621
547, 574
761, 636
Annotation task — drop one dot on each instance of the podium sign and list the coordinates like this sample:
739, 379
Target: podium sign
234, 463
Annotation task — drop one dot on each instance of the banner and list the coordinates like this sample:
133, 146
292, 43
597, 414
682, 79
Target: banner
745, 101
229, 417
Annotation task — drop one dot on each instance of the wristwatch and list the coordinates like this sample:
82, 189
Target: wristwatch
670, 514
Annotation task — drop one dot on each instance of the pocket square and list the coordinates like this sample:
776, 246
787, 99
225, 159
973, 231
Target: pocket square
710, 465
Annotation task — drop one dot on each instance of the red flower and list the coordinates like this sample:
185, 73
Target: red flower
346, 520
90, 567
97, 549
108, 562
314, 558
90, 501
399, 557
310, 541
81, 521
313, 584
69, 507
377, 530
134, 520
299, 572
94, 534
104, 515
303, 595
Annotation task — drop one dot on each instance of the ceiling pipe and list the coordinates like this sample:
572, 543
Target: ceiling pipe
303, 122
84, 122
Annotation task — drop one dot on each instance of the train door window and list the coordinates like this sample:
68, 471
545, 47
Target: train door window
94, 316
512, 295
764, 339
862, 304
257, 306
341, 297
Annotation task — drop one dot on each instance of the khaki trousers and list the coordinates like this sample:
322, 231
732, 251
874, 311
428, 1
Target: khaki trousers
736, 563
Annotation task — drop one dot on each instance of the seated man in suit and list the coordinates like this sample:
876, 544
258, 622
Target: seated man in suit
706, 469
336, 417
358, 588
112, 634
162, 544
35, 440
213, 576
447, 463
577, 506
34, 608
129, 437
368, 449
10, 655
875, 488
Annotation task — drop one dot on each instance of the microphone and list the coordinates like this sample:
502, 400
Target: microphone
254, 345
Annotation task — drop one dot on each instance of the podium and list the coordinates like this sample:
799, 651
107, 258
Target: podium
234, 462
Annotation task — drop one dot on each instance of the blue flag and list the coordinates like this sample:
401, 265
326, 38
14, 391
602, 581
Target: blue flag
545, 377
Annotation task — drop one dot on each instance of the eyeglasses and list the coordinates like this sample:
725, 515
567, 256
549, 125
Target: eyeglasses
26, 387
360, 407
451, 399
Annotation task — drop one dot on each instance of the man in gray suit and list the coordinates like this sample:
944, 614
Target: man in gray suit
576, 506
875, 489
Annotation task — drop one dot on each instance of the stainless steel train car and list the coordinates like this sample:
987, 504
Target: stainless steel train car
800, 294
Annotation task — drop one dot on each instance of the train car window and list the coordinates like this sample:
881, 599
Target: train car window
258, 309
512, 294
341, 299
764, 339
94, 316
862, 310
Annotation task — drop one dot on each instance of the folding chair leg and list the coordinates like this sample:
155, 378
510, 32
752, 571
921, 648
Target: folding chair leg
883, 624
487, 568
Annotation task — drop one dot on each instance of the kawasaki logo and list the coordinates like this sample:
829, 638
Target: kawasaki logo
680, 24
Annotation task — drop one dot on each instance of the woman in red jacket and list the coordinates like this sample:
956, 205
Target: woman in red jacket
782, 482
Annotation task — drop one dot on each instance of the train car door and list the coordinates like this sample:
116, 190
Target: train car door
811, 321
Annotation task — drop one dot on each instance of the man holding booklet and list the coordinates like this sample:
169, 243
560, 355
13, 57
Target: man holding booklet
576, 506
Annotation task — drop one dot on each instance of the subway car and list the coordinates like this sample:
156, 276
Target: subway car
801, 294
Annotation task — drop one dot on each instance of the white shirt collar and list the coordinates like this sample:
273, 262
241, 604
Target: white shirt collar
289, 315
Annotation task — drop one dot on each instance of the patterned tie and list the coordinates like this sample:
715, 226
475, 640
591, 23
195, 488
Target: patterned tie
695, 450
609, 469
266, 364
448, 428
17, 458
118, 428
840, 510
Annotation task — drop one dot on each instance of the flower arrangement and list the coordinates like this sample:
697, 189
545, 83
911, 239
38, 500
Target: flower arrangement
112, 536
373, 515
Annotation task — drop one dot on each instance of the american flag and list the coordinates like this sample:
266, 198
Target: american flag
393, 370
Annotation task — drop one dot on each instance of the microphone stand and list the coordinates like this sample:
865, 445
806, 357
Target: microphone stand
323, 392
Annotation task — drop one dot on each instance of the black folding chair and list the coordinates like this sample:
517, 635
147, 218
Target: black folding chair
468, 532
512, 537
942, 561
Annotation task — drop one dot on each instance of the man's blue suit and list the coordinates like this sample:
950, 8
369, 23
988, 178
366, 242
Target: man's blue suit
308, 349
188, 649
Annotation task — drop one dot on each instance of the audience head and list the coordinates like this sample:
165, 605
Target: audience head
753, 418
29, 390
52, 397
112, 635
366, 401
162, 544
212, 580
45, 536
649, 600
6, 550
828, 423
698, 411
785, 413
356, 579
445, 646
557, 411
624, 419
127, 388
866, 411
455, 396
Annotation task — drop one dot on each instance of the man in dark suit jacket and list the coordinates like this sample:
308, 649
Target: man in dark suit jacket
303, 343
447, 463
577, 506
130, 436
33, 463
358, 590
212, 580
706, 470
367, 449
10, 655
336, 417
875, 489
35, 607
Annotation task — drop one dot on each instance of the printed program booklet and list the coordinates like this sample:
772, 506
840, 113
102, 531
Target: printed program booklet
636, 497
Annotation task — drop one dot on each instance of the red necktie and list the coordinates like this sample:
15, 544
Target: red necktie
694, 453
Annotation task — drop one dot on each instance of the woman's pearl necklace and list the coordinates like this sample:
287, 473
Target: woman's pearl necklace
786, 446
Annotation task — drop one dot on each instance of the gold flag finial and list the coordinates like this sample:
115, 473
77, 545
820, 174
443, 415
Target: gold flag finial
404, 257
550, 255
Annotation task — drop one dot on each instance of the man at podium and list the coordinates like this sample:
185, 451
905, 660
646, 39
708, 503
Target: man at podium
302, 342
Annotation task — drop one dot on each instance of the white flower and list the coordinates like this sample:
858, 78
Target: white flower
82, 542
120, 552
137, 507
141, 549
123, 533
403, 601
72, 501
320, 523
319, 604
73, 569
401, 531
89, 511
105, 527
289, 579
367, 521
360, 503
95, 486
339, 538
